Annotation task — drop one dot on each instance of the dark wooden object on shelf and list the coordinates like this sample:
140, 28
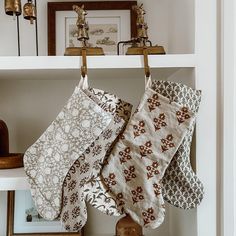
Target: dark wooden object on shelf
127, 227
8, 160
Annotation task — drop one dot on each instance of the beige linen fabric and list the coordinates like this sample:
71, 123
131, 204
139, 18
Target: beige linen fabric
139, 159
81, 176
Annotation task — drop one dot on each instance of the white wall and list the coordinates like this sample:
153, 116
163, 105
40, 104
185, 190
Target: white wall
166, 20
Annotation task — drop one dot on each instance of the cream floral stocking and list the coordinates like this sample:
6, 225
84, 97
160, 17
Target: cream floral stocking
139, 159
48, 160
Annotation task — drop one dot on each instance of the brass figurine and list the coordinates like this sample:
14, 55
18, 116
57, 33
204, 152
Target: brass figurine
29, 11
81, 24
13, 7
141, 41
142, 27
82, 36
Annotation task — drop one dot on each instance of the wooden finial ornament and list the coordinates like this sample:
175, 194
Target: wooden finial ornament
8, 160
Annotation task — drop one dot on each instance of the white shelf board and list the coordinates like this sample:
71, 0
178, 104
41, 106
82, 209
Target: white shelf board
95, 62
13, 179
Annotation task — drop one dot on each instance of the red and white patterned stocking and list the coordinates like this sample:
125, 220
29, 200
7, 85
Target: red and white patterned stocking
86, 169
139, 159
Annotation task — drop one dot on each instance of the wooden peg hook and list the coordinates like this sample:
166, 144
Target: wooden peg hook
146, 66
84, 61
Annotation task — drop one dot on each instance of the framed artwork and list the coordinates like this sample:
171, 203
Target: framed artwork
23, 218
109, 23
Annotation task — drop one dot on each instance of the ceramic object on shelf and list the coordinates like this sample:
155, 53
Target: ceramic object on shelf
8, 160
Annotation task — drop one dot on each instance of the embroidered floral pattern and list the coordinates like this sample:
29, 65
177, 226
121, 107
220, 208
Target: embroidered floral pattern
84, 168
148, 216
167, 143
125, 155
120, 199
73, 198
182, 114
153, 102
97, 150
76, 212
152, 170
157, 189
137, 194
139, 129
110, 180
107, 134
153, 110
159, 122
145, 149
130, 173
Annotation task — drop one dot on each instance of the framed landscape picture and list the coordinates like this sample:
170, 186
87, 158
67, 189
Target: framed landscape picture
109, 23
23, 218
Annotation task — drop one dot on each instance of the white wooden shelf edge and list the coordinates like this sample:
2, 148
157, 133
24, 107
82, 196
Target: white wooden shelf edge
13, 179
96, 62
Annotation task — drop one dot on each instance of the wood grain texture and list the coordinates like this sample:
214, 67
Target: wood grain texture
53, 7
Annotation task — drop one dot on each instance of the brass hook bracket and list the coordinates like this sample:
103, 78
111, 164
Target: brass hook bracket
84, 62
146, 66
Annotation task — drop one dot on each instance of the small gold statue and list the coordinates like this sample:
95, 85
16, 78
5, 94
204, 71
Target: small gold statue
141, 41
142, 27
82, 25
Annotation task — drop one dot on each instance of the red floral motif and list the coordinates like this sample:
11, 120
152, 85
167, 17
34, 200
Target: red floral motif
76, 212
139, 129
84, 168
145, 149
120, 199
153, 102
137, 194
182, 115
148, 216
110, 181
125, 155
167, 143
129, 174
157, 189
159, 122
152, 170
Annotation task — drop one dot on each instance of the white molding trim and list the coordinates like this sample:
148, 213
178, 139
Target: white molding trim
228, 76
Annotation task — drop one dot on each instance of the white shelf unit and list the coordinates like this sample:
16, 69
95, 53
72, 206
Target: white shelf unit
33, 89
